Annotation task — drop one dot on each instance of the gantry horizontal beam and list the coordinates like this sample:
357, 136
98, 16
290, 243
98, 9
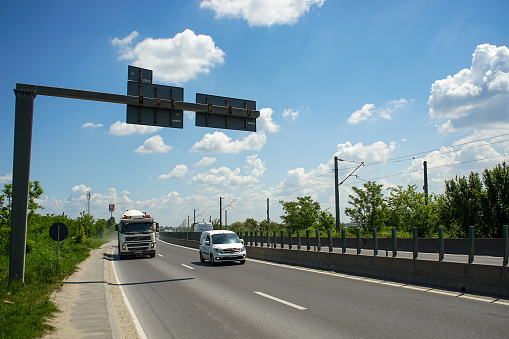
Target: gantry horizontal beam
138, 101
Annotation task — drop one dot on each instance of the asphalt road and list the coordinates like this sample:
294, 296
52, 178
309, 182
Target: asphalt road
174, 295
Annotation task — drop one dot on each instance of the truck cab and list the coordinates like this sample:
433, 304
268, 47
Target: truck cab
136, 235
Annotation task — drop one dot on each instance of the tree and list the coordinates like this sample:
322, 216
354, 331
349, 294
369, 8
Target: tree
269, 225
464, 197
326, 221
301, 214
250, 224
496, 204
369, 208
34, 192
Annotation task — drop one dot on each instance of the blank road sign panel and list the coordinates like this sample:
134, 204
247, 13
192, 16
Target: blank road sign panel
225, 121
153, 116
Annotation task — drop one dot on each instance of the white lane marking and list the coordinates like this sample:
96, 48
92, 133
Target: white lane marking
162, 256
191, 268
472, 297
137, 324
504, 302
287, 303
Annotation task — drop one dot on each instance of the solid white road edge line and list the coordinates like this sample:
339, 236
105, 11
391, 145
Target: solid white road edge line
287, 303
137, 324
191, 268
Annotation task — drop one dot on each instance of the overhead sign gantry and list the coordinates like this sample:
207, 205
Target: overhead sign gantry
147, 104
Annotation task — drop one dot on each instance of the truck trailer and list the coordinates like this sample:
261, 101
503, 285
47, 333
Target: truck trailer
136, 235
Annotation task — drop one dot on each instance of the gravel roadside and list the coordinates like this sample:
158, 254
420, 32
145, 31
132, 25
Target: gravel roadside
108, 315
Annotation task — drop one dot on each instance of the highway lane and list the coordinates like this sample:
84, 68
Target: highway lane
176, 296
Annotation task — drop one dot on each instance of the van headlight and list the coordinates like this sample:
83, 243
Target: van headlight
242, 249
218, 249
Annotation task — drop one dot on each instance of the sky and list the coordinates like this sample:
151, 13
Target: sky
389, 84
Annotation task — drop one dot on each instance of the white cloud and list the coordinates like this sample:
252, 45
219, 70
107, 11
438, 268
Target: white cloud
289, 113
6, 179
173, 60
360, 115
262, 12
205, 161
225, 177
371, 112
122, 128
265, 122
178, 172
91, 125
218, 142
378, 151
125, 45
474, 98
153, 144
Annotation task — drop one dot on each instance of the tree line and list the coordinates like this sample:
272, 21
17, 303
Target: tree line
480, 200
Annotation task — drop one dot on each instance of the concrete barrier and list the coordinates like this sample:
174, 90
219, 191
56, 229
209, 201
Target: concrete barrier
467, 278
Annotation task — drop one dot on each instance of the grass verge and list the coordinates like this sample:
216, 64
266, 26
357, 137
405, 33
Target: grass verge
25, 307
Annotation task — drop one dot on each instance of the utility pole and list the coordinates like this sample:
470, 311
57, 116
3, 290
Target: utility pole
268, 209
220, 213
336, 192
339, 184
425, 187
194, 216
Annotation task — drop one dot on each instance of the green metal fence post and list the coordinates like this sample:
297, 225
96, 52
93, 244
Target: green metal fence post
505, 245
308, 241
343, 241
298, 240
415, 240
290, 239
394, 243
282, 234
318, 240
471, 240
441, 250
329, 235
358, 239
275, 238
375, 242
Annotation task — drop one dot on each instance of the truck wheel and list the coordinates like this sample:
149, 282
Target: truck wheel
202, 259
243, 261
152, 254
212, 261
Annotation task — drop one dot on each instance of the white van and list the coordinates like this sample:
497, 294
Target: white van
219, 245
202, 226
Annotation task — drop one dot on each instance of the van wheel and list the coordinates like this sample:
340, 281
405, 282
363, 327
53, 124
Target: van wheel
212, 261
243, 261
202, 259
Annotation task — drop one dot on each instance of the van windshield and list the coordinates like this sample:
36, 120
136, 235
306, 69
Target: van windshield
225, 239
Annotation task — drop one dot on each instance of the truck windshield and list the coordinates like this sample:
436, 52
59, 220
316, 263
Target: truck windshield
225, 239
136, 227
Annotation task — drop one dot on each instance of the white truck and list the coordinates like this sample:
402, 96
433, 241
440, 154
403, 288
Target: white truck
136, 234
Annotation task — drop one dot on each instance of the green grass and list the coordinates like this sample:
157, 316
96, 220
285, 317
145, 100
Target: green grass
25, 307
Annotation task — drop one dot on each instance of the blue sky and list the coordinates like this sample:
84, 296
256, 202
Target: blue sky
389, 83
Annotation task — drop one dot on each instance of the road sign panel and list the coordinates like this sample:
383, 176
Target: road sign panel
225, 121
155, 116
133, 74
58, 231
